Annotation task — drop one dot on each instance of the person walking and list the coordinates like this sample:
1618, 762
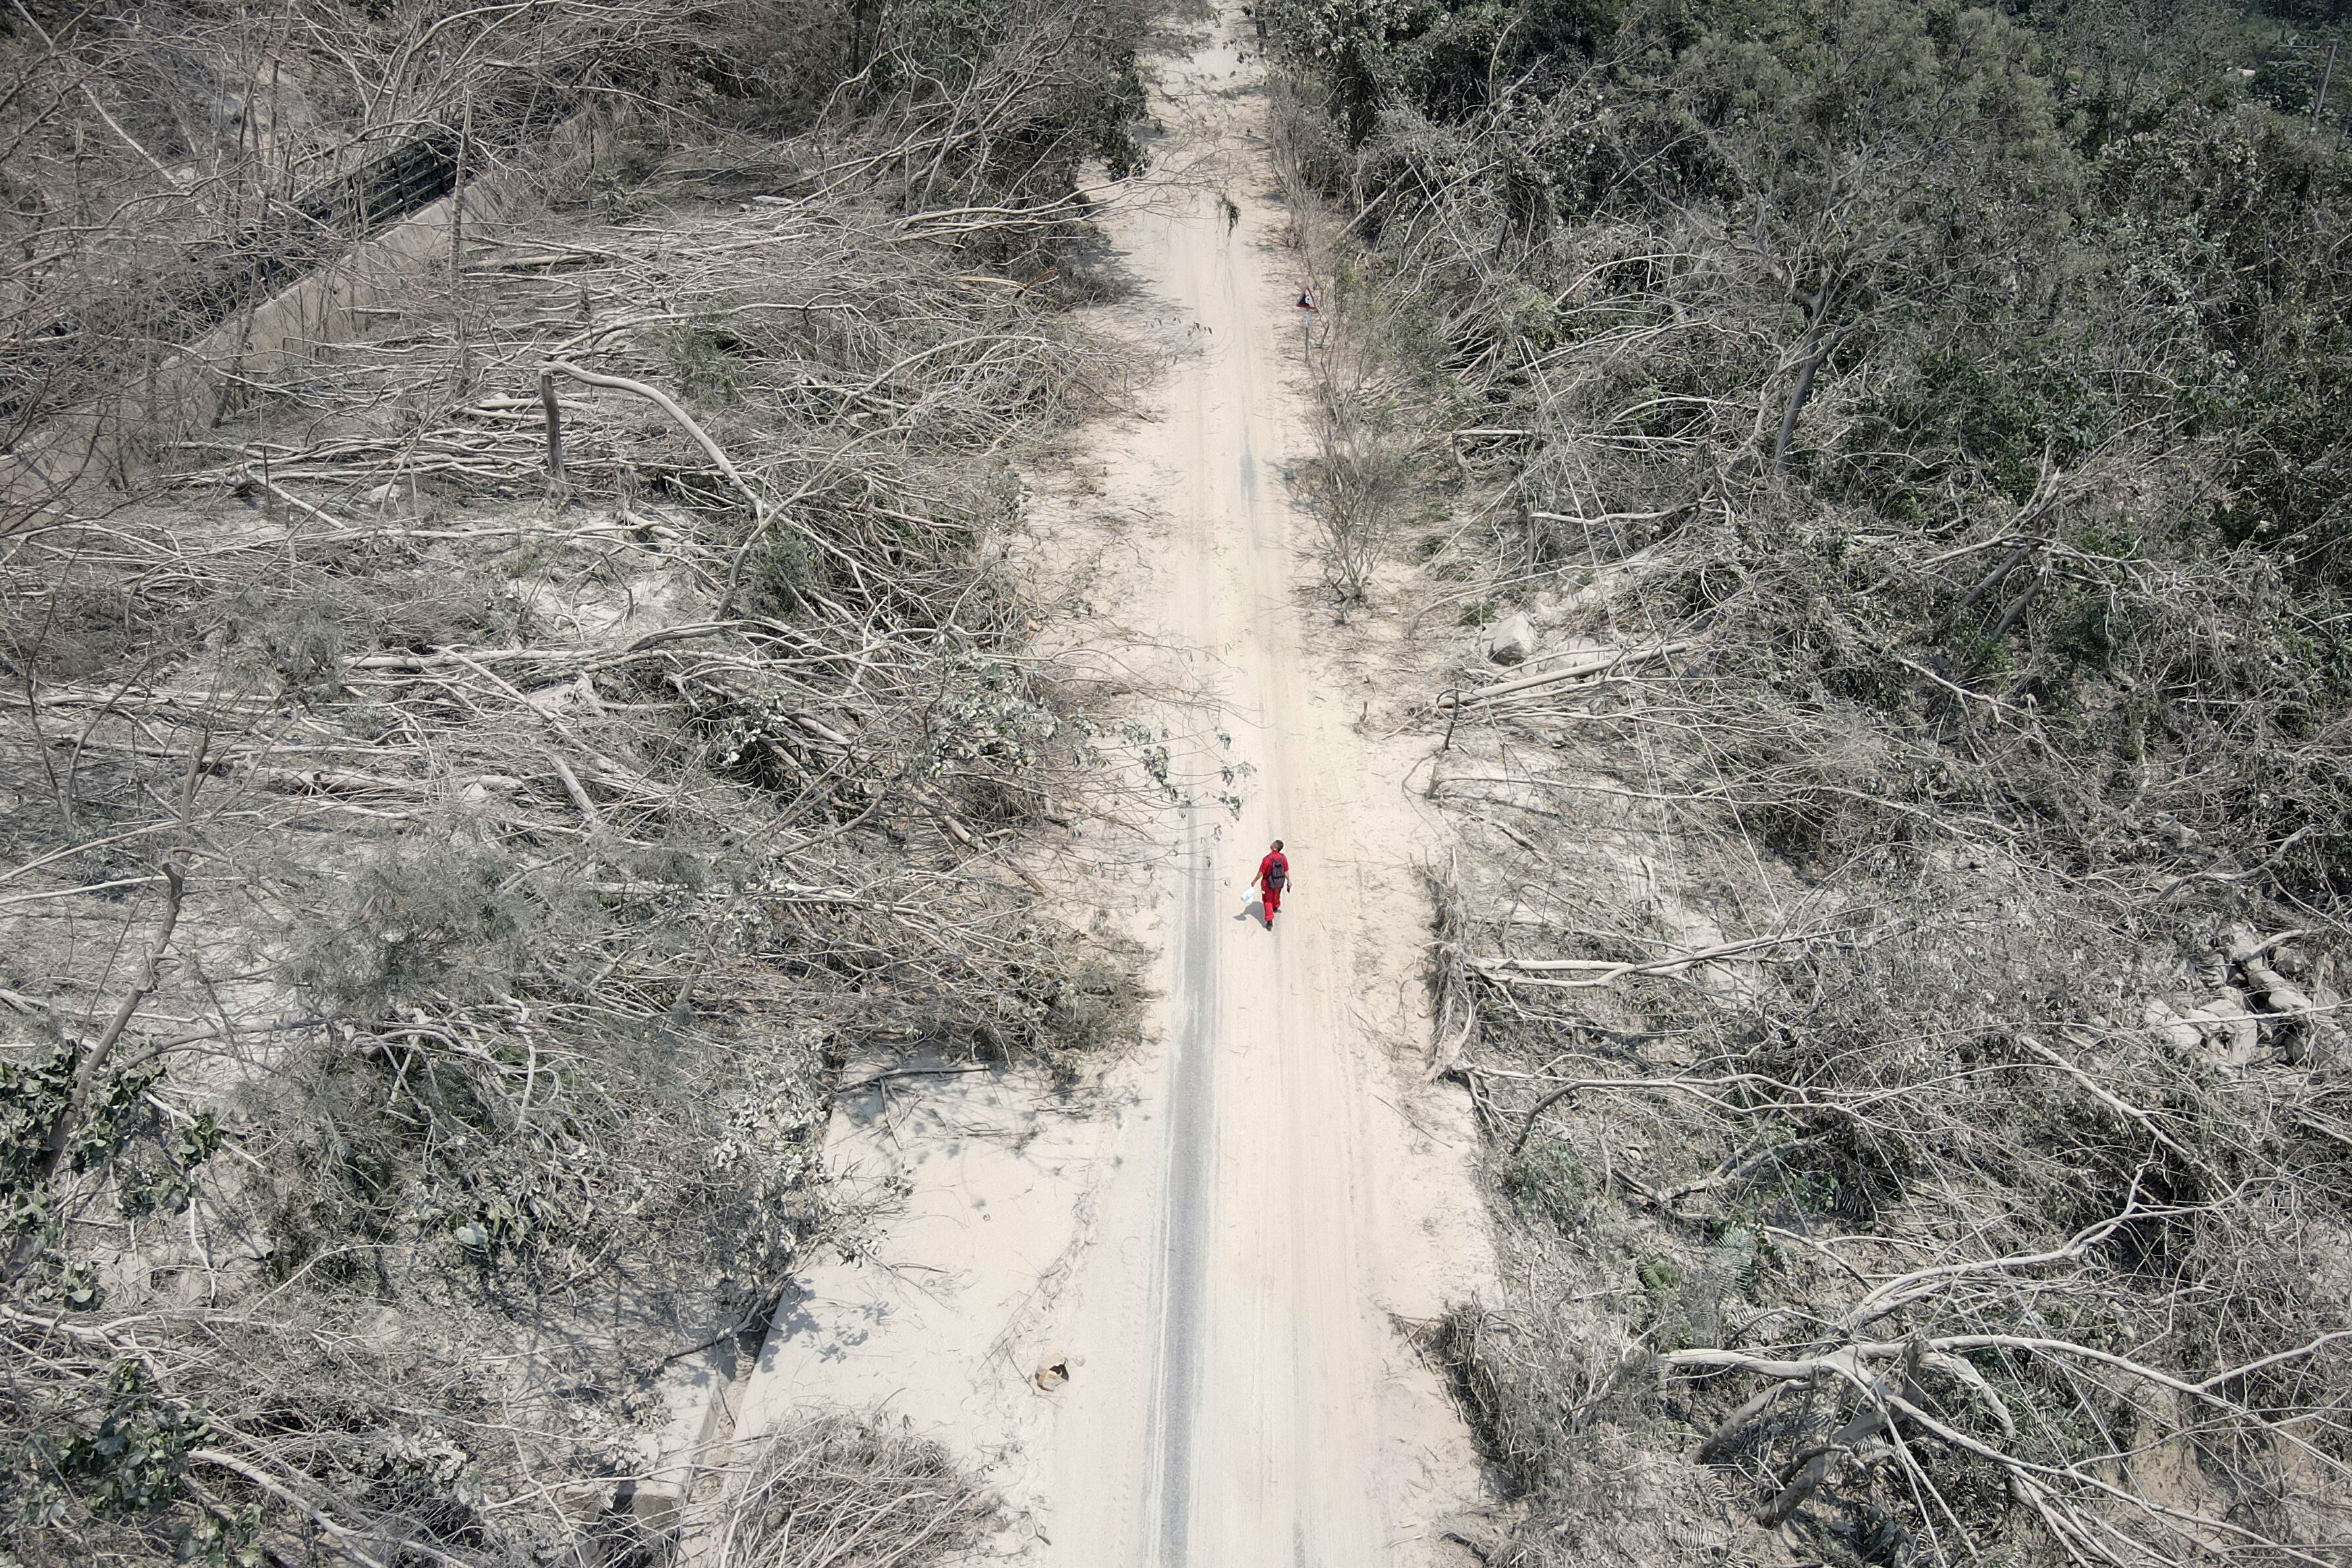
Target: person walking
1273, 878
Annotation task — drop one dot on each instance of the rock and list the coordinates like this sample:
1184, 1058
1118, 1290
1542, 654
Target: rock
2293, 1031
564, 696
481, 790
2292, 1018
2168, 1027
2228, 1026
1510, 640
2324, 1045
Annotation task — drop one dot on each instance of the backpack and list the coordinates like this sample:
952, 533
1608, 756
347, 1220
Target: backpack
1276, 875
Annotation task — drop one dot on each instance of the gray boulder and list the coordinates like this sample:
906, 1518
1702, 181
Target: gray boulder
1510, 640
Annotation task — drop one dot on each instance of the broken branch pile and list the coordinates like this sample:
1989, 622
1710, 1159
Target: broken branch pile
1907, 1017
502, 855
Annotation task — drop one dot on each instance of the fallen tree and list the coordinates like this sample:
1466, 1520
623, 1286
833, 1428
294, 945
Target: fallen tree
439, 892
1895, 1108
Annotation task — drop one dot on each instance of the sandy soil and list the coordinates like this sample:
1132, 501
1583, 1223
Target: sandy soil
1221, 1256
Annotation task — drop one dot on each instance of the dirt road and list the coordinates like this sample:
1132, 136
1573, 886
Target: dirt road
1220, 1264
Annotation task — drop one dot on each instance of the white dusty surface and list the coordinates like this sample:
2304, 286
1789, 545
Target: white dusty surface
1222, 1243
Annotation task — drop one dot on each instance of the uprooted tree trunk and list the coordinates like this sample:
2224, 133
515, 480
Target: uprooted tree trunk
1819, 344
1896, 1387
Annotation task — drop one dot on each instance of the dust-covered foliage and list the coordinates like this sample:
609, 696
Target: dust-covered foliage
1929, 1241
1897, 948
494, 712
1948, 375
836, 1490
165, 170
1357, 485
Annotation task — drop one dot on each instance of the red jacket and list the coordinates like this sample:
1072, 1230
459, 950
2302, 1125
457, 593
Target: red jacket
1273, 859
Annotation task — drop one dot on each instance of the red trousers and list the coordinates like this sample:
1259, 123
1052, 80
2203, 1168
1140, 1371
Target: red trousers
1273, 897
